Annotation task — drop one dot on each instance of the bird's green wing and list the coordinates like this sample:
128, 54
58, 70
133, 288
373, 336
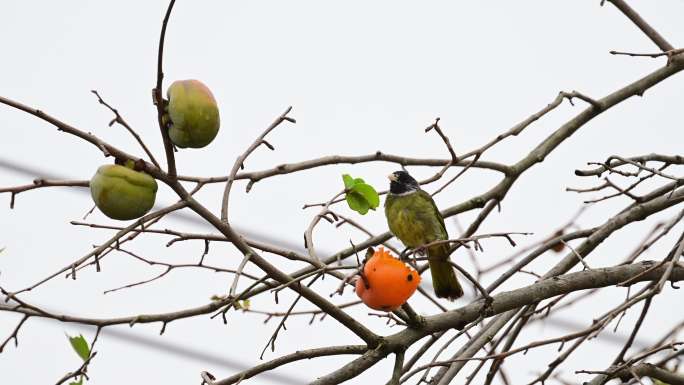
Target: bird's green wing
426, 196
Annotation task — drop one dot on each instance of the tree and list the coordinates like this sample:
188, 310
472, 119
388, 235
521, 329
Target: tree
494, 320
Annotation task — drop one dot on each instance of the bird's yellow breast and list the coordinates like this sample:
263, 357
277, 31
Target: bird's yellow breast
412, 220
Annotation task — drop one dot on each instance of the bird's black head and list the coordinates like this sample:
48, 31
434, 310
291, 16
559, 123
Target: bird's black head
401, 182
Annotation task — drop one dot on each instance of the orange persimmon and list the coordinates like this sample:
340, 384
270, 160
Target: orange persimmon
388, 282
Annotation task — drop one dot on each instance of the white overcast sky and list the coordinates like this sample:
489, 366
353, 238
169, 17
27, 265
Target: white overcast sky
362, 76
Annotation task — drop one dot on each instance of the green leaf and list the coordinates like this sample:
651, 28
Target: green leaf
357, 202
368, 193
348, 181
360, 196
80, 346
80, 382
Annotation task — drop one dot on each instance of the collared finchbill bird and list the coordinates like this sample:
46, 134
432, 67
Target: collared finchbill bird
413, 217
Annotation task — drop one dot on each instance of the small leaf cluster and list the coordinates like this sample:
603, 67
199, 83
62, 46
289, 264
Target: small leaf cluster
80, 346
360, 196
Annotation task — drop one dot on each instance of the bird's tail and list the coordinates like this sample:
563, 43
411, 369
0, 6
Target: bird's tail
444, 278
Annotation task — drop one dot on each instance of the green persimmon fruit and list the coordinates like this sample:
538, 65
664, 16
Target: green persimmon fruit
122, 193
193, 113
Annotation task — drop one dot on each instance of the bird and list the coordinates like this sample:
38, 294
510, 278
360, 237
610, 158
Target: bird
413, 217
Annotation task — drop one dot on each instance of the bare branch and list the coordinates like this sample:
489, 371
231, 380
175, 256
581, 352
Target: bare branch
40, 183
642, 24
239, 162
445, 139
297, 356
14, 335
102, 248
119, 119
669, 54
158, 98
615, 162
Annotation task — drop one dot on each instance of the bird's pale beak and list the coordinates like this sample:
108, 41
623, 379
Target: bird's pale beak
392, 177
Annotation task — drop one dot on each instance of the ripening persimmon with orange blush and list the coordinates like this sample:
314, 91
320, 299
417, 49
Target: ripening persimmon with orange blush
386, 282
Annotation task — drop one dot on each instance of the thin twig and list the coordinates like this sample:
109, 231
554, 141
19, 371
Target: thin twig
239, 162
119, 119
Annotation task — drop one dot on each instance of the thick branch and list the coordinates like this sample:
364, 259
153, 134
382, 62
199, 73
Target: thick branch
642, 24
505, 302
